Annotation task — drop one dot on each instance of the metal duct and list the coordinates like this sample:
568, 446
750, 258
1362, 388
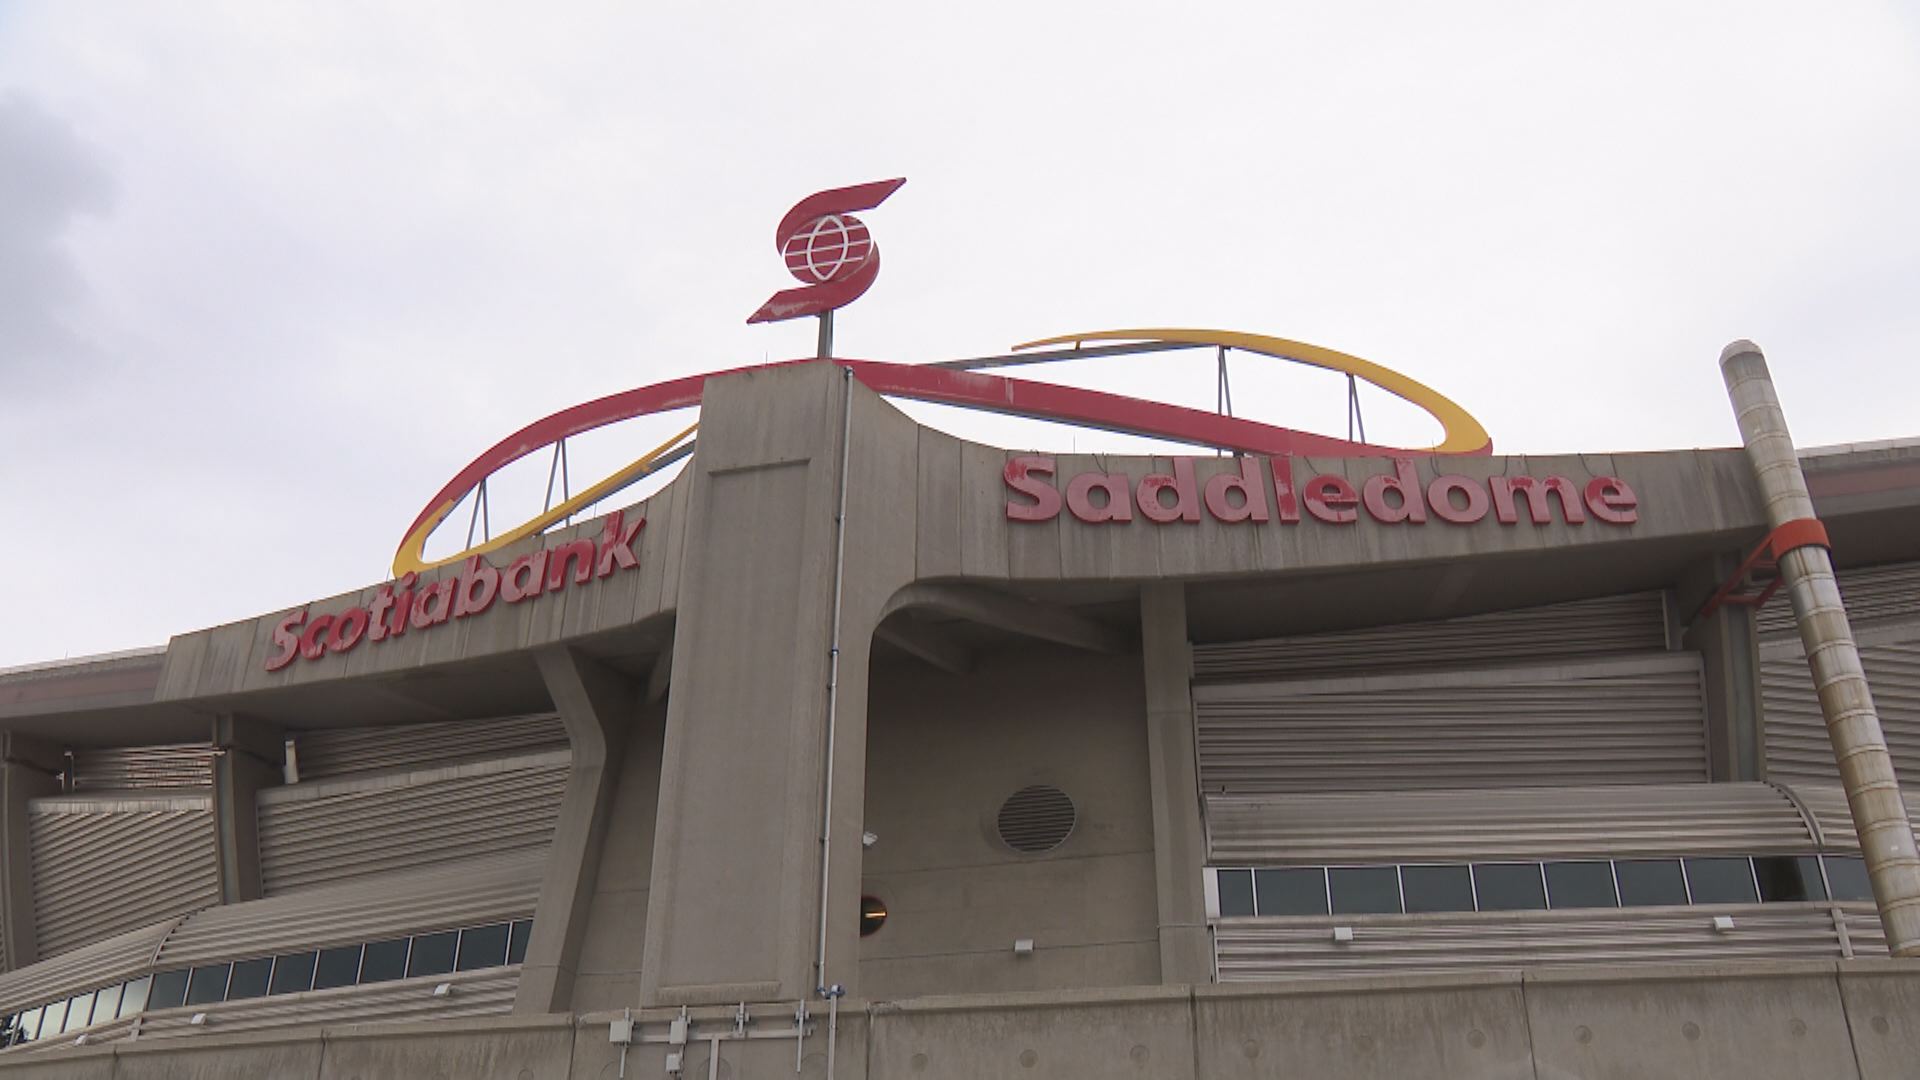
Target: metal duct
1633, 720
1526, 823
101, 867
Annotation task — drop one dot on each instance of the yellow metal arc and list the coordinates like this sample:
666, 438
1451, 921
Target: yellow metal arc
1463, 434
411, 557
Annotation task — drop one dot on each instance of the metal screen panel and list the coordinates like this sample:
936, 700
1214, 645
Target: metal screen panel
101, 867
342, 830
487, 992
344, 751
1872, 594
1798, 750
472, 893
1583, 628
139, 768
1522, 823
1291, 949
1633, 720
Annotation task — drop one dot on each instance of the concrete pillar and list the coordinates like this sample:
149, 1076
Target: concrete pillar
1729, 652
1859, 746
598, 708
735, 901
1179, 837
28, 770
248, 759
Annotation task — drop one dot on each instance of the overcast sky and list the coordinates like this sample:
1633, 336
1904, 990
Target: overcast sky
269, 278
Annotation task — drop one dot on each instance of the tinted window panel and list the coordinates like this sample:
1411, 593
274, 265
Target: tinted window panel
250, 979
208, 984
28, 1026
337, 967
1650, 882
1437, 888
1291, 892
169, 990
1580, 884
1789, 877
106, 1004
432, 954
1364, 890
385, 960
1848, 876
1509, 886
1721, 881
52, 1018
79, 1011
292, 973
133, 995
482, 947
517, 941
1236, 892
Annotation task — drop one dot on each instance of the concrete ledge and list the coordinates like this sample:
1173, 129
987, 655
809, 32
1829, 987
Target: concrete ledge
1033, 999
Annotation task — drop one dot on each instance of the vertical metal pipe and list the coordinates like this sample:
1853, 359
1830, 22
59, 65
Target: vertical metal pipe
1859, 746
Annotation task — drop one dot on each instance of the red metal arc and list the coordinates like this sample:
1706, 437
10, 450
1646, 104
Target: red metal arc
944, 386
852, 277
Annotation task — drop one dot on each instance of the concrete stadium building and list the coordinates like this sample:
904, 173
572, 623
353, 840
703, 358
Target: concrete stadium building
862, 750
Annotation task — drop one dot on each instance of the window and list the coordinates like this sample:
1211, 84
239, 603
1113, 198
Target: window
169, 990
1785, 878
486, 946
337, 967
133, 996
1364, 890
1848, 876
106, 1004
27, 1026
53, 1019
1291, 892
517, 941
432, 954
1236, 892
1650, 882
385, 960
250, 979
1581, 885
292, 973
1437, 888
1721, 881
79, 1011
1509, 886
208, 984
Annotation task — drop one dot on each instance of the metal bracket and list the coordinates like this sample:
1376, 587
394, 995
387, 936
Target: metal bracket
1758, 576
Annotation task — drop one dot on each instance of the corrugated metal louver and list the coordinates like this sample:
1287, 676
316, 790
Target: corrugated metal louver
139, 768
1873, 594
1521, 823
1798, 749
1865, 936
1633, 720
1827, 805
101, 867
119, 957
472, 893
343, 751
1257, 949
1036, 819
1583, 628
341, 830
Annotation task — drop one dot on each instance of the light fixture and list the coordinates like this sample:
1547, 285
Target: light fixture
445, 989
868, 839
1023, 946
1343, 935
198, 1020
1723, 923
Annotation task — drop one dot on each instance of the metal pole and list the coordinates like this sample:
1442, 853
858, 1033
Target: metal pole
1859, 746
826, 335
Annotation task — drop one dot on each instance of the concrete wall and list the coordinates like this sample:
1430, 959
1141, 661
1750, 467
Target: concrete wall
1854, 1019
943, 752
609, 973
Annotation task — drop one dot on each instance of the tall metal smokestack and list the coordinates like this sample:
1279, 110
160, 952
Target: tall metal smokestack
1873, 792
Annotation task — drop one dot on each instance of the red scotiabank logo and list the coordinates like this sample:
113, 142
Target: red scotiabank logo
401, 605
1241, 495
828, 249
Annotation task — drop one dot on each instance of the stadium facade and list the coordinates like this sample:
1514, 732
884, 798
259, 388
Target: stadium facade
1239, 765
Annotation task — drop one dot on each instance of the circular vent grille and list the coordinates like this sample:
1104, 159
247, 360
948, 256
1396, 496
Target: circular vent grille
1036, 819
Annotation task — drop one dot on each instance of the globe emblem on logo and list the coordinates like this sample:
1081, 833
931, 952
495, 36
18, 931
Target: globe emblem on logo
828, 248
